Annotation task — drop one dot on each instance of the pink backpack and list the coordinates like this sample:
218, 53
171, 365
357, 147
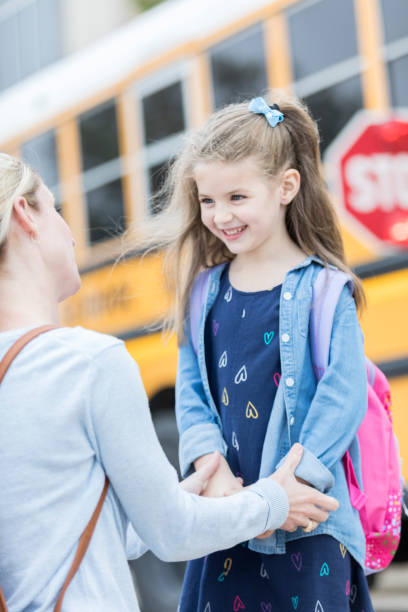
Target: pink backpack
380, 504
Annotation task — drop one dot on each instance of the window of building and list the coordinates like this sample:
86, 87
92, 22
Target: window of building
238, 67
30, 36
102, 172
162, 103
41, 154
325, 62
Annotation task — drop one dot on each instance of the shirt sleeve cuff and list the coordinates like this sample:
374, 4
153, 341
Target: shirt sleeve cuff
313, 471
197, 441
277, 500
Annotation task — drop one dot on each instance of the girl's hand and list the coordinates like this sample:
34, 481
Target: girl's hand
197, 482
223, 482
307, 506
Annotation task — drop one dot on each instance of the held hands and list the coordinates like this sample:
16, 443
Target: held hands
223, 482
197, 482
307, 506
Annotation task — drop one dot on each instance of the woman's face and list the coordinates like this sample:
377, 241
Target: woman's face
56, 245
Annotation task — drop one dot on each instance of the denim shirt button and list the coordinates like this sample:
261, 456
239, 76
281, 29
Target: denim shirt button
292, 420
290, 382
287, 295
285, 337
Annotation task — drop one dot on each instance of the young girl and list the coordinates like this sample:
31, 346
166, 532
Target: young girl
250, 202
73, 409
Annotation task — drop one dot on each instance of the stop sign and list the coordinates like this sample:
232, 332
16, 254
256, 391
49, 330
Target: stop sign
367, 167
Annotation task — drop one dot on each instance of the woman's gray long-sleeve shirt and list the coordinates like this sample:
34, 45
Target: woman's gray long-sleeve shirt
72, 408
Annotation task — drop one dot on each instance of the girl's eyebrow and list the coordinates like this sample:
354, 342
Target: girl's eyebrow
237, 190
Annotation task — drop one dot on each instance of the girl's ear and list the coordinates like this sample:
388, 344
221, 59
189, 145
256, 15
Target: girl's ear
22, 213
290, 185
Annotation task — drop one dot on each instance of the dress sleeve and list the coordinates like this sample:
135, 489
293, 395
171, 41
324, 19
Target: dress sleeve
174, 524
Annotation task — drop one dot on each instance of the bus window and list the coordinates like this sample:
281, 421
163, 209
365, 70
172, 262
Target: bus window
325, 62
157, 176
395, 20
398, 71
163, 115
334, 106
321, 34
102, 172
40, 153
238, 67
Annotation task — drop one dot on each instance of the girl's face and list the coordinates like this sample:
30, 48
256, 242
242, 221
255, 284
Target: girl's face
56, 245
241, 206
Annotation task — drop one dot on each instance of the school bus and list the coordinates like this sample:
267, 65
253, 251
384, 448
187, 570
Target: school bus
101, 125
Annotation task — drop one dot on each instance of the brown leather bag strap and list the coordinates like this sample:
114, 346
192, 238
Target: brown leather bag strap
4, 366
20, 344
89, 529
83, 545
3, 605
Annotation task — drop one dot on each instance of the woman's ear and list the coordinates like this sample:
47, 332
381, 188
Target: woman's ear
289, 186
23, 215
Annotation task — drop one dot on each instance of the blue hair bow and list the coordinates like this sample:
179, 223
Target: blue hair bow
273, 114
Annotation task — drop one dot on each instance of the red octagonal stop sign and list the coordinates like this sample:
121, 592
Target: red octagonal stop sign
367, 165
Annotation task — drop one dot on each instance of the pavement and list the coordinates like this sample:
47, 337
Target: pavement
390, 591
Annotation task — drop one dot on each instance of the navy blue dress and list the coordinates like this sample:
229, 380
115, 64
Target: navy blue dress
316, 574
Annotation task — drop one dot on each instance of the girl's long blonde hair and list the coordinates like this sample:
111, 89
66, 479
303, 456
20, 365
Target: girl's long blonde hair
231, 135
16, 180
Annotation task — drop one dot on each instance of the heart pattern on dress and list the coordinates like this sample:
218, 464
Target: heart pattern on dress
238, 604
324, 570
222, 363
296, 559
241, 375
263, 572
251, 412
268, 337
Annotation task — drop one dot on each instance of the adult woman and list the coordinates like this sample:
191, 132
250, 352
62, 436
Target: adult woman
73, 409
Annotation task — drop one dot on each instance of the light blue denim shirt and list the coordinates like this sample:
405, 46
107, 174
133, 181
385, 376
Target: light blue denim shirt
324, 418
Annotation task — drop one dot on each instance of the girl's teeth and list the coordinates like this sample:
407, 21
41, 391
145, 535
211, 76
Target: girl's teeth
236, 231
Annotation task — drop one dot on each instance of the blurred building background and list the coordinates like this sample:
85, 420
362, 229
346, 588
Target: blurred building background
97, 95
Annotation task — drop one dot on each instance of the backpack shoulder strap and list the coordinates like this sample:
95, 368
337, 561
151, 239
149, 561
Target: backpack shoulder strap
197, 298
327, 288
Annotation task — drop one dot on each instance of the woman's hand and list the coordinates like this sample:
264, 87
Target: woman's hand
307, 506
198, 481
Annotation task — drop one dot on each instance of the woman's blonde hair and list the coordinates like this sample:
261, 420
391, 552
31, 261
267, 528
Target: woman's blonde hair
16, 180
231, 135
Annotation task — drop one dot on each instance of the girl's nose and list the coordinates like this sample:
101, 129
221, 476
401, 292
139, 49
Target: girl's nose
222, 215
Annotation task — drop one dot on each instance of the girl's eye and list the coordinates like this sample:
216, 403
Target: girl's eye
206, 201
237, 196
